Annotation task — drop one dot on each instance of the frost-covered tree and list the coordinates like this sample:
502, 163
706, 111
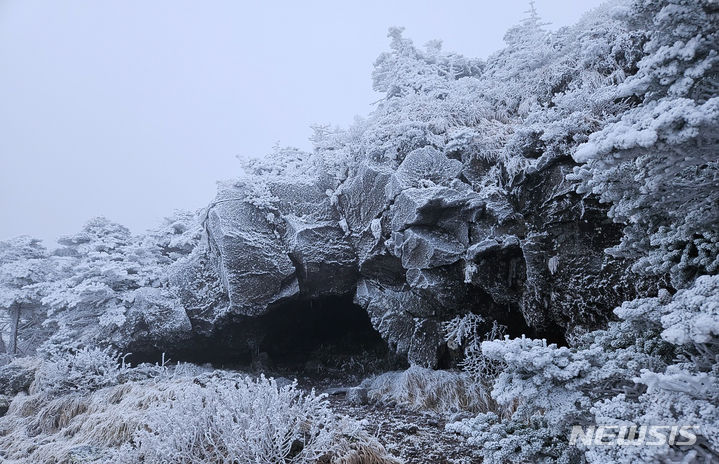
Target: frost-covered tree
630, 92
658, 164
24, 265
175, 237
571, 94
112, 280
681, 57
521, 65
91, 294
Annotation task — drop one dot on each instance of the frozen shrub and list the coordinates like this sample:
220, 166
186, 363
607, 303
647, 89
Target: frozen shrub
504, 441
542, 390
45, 427
226, 420
657, 164
464, 332
462, 329
82, 370
692, 318
675, 397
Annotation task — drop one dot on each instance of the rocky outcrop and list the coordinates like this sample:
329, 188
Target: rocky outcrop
417, 245
324, 260
16, 377
570, 281
154, 315
253, 263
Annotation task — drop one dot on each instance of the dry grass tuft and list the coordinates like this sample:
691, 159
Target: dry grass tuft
427, 389
364, 453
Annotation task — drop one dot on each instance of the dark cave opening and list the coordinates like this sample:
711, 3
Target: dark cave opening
324, 336
517, 326
500, 284
335, 325
327, 336
508, 314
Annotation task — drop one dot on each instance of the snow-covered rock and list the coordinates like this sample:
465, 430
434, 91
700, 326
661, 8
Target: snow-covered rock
254, 265
324, 259
417, 246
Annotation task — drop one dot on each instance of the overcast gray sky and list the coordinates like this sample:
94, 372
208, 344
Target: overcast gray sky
131, 109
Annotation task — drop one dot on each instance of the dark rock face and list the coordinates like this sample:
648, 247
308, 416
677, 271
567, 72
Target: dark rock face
417, 245
570, 281
15, 378
4, 405
154, 315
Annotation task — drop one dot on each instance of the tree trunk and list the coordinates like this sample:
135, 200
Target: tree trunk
14, 328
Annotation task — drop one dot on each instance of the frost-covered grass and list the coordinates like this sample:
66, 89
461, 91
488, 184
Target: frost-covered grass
427, 389
228, 420
174, 415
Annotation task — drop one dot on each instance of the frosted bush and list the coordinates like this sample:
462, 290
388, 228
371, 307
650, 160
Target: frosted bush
654, 167
229, 420
693, 316
82, 370
461, 329
464, 332
541, 380
544, 389
108, 280
513, 440
675, 397
657, 164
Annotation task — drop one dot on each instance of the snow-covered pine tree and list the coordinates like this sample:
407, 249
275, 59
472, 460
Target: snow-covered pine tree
24, 266
658, 165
